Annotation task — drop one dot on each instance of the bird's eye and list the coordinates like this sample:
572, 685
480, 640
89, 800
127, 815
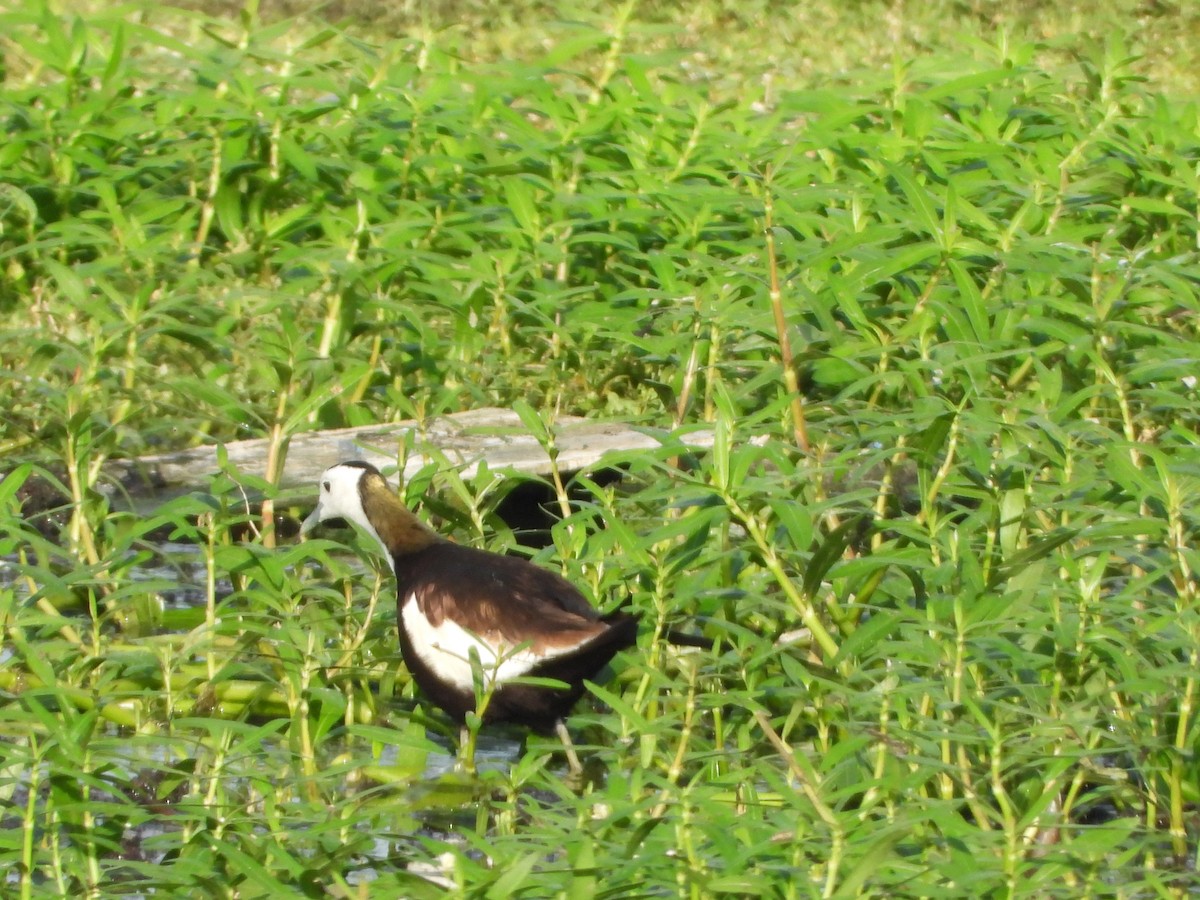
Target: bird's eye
325, 485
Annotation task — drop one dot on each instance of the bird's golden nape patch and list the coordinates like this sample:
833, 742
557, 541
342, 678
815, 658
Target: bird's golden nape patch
399, 530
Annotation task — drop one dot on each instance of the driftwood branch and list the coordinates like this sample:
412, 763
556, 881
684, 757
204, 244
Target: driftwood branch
464, 439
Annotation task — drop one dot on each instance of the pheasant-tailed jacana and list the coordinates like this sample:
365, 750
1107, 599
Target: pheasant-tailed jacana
520, 620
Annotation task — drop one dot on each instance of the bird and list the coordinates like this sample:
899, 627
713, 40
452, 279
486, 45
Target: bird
464, 612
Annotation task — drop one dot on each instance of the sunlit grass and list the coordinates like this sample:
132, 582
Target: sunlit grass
735, 45
953, 592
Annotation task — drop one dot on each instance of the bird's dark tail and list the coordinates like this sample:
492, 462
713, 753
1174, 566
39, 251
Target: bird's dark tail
683, 639
671, 635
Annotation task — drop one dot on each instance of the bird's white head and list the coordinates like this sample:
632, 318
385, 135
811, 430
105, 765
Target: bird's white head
357, 492
340, 496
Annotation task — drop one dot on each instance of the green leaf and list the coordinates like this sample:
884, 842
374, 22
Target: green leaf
513, 877
1038, 550
827, 554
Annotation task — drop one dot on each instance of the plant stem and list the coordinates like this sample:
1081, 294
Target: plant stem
790, 380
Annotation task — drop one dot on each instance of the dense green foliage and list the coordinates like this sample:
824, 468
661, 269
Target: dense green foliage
954, 595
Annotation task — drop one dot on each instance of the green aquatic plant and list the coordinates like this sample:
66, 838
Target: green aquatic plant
938, 319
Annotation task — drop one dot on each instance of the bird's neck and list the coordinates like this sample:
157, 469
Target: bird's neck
394, 526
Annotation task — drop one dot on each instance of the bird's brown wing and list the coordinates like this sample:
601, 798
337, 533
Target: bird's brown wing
497, 597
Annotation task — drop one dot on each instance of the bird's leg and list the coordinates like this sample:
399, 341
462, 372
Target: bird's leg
560, 728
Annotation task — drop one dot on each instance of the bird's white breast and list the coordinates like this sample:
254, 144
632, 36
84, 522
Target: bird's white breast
446, 649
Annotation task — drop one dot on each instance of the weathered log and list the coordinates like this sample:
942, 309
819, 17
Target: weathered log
465, 440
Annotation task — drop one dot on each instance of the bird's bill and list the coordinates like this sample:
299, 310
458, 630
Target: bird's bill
313, 520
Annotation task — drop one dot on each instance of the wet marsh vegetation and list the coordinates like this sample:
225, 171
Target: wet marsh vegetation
953, 592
